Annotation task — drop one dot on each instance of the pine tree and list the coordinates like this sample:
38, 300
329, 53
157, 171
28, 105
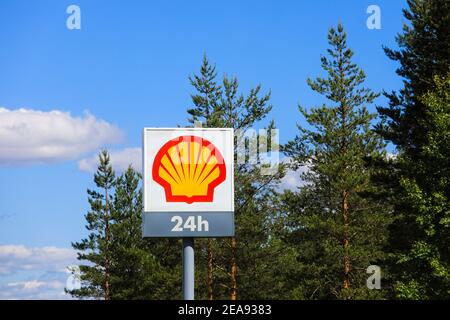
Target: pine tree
424, 52
208, 95
336, 231
424, 269
96, 249
239, 259
136, 270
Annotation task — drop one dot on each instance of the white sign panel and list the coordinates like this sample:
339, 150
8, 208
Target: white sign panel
188, 182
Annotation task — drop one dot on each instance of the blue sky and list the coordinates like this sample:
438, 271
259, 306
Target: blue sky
127, 68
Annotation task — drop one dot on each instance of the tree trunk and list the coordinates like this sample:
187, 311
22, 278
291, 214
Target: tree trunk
107, 238
344, 204
346, 243
210, 271
233, 273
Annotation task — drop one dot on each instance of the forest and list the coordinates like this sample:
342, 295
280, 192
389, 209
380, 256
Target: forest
358, 205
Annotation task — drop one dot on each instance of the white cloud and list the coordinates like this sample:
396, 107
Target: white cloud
391, 155
15, 258
292, 180
33, 136
34, 289
120, 160
27, 285
34, 273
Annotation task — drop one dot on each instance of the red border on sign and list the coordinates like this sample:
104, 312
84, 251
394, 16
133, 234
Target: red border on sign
167, 188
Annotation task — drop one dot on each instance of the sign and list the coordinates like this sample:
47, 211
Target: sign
188, 182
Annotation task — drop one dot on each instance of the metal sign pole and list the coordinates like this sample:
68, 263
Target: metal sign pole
188, 268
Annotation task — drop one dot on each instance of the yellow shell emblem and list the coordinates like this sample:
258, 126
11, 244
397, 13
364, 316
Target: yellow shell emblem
189, 168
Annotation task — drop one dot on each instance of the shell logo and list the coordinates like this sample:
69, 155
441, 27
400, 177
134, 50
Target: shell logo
189, 168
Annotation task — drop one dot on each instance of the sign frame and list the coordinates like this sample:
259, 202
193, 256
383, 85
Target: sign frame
209, 219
